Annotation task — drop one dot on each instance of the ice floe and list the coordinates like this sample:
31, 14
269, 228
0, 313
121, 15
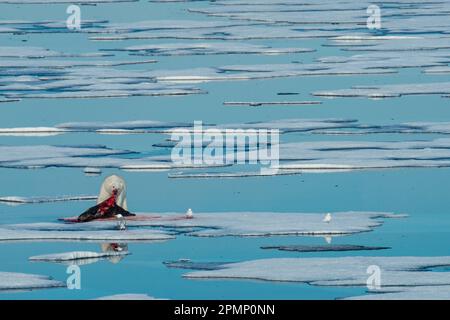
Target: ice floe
140, 126
28, 157
15, 154
389, 91
270, 103
14, 200
63, 1
152, 126
99, 235
323, 248
39, 52
289, 125
179, 49
92, 171
76, 255
215, 224
248, 31
435, 292
188, 264
11, 281
128, 296
441, 127
338, 156
340, 271
31, 131
271, 223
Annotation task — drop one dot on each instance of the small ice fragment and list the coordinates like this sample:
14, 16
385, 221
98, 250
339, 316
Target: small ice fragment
189, 214
128, 296
92, 171
269, 103
328, 239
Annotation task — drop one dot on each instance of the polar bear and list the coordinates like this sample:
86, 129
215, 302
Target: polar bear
111, 201
114, 184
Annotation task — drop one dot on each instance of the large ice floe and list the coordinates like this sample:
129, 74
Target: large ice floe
400, 277
12, 281
266, 224
215, 224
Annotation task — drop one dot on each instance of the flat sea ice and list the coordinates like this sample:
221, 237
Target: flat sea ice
100, 235
410, 272
11, 281
323, 248
76, 255
216, 224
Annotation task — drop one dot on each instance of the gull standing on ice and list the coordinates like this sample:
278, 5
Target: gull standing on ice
121, 224
327, 218
189, 214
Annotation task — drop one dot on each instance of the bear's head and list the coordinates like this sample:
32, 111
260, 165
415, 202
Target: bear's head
114, 185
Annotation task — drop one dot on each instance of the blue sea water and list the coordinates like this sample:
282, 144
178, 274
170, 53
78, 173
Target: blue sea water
420, 193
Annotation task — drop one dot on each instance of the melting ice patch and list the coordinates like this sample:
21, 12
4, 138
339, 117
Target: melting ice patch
31, 131
39, 52
270, 103
99, 235
11, 281
389, 91
402, 128
323, 248
76, 255
139, 126
15, 200
188, 264
14, 155
435, 292
180, 49
248, 31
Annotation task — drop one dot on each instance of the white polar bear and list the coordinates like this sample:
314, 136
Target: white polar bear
111, 184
